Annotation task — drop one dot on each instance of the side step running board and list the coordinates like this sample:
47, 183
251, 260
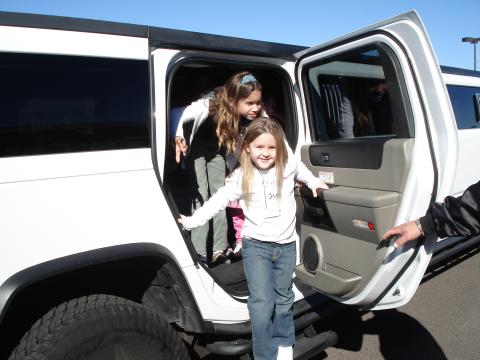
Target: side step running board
305, 347
451, 248
308, 347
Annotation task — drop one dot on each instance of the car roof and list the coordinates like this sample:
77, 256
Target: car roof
459, 71
172, 38
158, 37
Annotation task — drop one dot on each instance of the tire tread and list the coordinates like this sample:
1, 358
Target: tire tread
48, 330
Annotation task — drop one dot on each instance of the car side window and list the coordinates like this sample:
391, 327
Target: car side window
464, 101
351, 95
57, 104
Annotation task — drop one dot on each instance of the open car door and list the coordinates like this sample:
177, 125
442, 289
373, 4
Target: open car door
379, 119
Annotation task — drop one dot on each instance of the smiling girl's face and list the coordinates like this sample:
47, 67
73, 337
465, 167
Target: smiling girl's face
263, 151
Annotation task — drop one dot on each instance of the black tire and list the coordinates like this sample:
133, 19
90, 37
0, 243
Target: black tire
101, 327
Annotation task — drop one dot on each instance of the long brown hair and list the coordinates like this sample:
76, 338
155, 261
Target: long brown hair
257, 127
227, 116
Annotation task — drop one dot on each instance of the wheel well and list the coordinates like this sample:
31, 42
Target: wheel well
169, 296
127, 277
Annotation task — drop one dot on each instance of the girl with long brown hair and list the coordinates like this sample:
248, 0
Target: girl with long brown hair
219, 121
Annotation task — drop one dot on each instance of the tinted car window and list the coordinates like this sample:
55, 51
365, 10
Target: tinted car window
463, 102
356, 94
56, 104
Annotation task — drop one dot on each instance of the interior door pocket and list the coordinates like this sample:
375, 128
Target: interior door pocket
315, 211
317, 272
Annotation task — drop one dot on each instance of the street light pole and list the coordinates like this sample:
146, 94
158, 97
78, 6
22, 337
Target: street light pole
474, 41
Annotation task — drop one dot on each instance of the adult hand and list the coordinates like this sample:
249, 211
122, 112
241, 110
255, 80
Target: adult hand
406, 232
180, 148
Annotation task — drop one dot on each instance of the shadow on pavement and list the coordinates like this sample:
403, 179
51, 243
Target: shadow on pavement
400, 336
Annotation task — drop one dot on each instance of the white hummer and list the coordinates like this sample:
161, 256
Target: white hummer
93, 263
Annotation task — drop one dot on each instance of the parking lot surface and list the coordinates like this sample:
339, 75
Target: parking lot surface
442, 321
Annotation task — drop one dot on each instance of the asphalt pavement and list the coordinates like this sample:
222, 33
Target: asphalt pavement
442, 321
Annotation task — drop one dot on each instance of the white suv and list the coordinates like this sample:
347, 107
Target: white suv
93, 264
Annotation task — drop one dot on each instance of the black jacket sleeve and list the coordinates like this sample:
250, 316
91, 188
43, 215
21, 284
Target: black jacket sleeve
456, 216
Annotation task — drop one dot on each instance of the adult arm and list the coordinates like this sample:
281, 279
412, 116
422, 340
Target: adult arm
456, 216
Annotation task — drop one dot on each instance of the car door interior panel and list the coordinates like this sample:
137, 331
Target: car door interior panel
343, 226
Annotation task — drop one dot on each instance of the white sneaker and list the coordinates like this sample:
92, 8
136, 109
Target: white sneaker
285, 353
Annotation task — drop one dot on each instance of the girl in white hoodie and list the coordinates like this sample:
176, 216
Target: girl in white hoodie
264, 185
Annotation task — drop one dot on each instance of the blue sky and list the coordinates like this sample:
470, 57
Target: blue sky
301, 22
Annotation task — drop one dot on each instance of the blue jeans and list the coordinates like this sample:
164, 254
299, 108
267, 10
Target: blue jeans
269, 271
